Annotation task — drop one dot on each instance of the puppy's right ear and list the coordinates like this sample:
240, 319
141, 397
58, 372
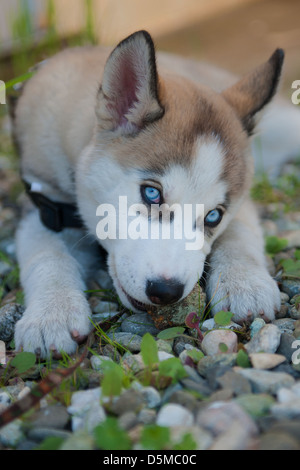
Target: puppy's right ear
128, 97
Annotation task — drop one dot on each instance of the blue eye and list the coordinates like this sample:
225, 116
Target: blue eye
151, 195
213, 218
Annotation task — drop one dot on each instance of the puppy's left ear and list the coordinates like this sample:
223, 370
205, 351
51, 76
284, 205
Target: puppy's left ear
255, 90
128, 97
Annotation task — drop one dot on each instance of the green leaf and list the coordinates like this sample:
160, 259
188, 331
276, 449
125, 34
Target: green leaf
155, 437
195, 354
149, 350
51, 443
113, 379
187, 443
223, 318
109, 436
297, 254
242, 359
291, 267
172, 367
171, 333
23, 361
274, 245
223, 347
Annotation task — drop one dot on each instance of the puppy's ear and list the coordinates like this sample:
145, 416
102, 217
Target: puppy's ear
128, 96
255, 90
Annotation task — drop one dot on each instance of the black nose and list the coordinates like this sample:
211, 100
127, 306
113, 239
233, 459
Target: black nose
164, 292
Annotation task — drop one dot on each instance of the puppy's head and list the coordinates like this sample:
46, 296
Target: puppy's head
165, 142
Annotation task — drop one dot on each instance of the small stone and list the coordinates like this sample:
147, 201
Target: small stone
285, 346
133, 362
201, 387
39, 434
284, 297
152, 396
236, 437
146, 416
163, 356
290, 287
266, 360
97, 362
218, 359
277, 441
127, 340
285, 325
185, 399
5, 268
139, 324
11, 434
172, 414
86, 410
265, 381
212, 341
217, 418
5, 399
295, 313
129, 400
267, 339
9, 315
127, 420
54, 416
210, 324
235, 382
256, 325
164, 345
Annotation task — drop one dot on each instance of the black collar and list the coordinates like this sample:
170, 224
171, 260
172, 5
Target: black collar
54, 215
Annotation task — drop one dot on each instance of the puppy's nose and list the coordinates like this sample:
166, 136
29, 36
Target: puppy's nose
164, 292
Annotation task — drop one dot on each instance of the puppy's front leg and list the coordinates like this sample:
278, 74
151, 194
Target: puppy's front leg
238, 279
57, 313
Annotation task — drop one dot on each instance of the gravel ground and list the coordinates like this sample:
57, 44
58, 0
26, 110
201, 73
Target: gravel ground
238, 389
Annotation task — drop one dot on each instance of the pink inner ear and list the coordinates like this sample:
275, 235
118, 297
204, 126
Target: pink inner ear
124, 84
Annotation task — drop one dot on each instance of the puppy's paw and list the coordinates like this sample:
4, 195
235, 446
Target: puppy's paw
247, 294
50, 326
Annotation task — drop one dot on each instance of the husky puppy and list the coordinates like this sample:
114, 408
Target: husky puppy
93, 125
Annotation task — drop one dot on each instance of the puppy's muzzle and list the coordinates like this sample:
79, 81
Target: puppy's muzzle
164, 292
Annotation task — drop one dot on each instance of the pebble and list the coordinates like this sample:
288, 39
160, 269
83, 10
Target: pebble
9, 315
218, 359
173, 414
265, 381
266, 360
285, 346
295, 313
146, 416
97, 362
285, 325
267, 339
218, 416
212, 340
129, 400
210, 324
53, 416
127, 340
290, 287
86, 410
152, 396
256, 325
139, 324
230, 380
12, 433
5, 399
